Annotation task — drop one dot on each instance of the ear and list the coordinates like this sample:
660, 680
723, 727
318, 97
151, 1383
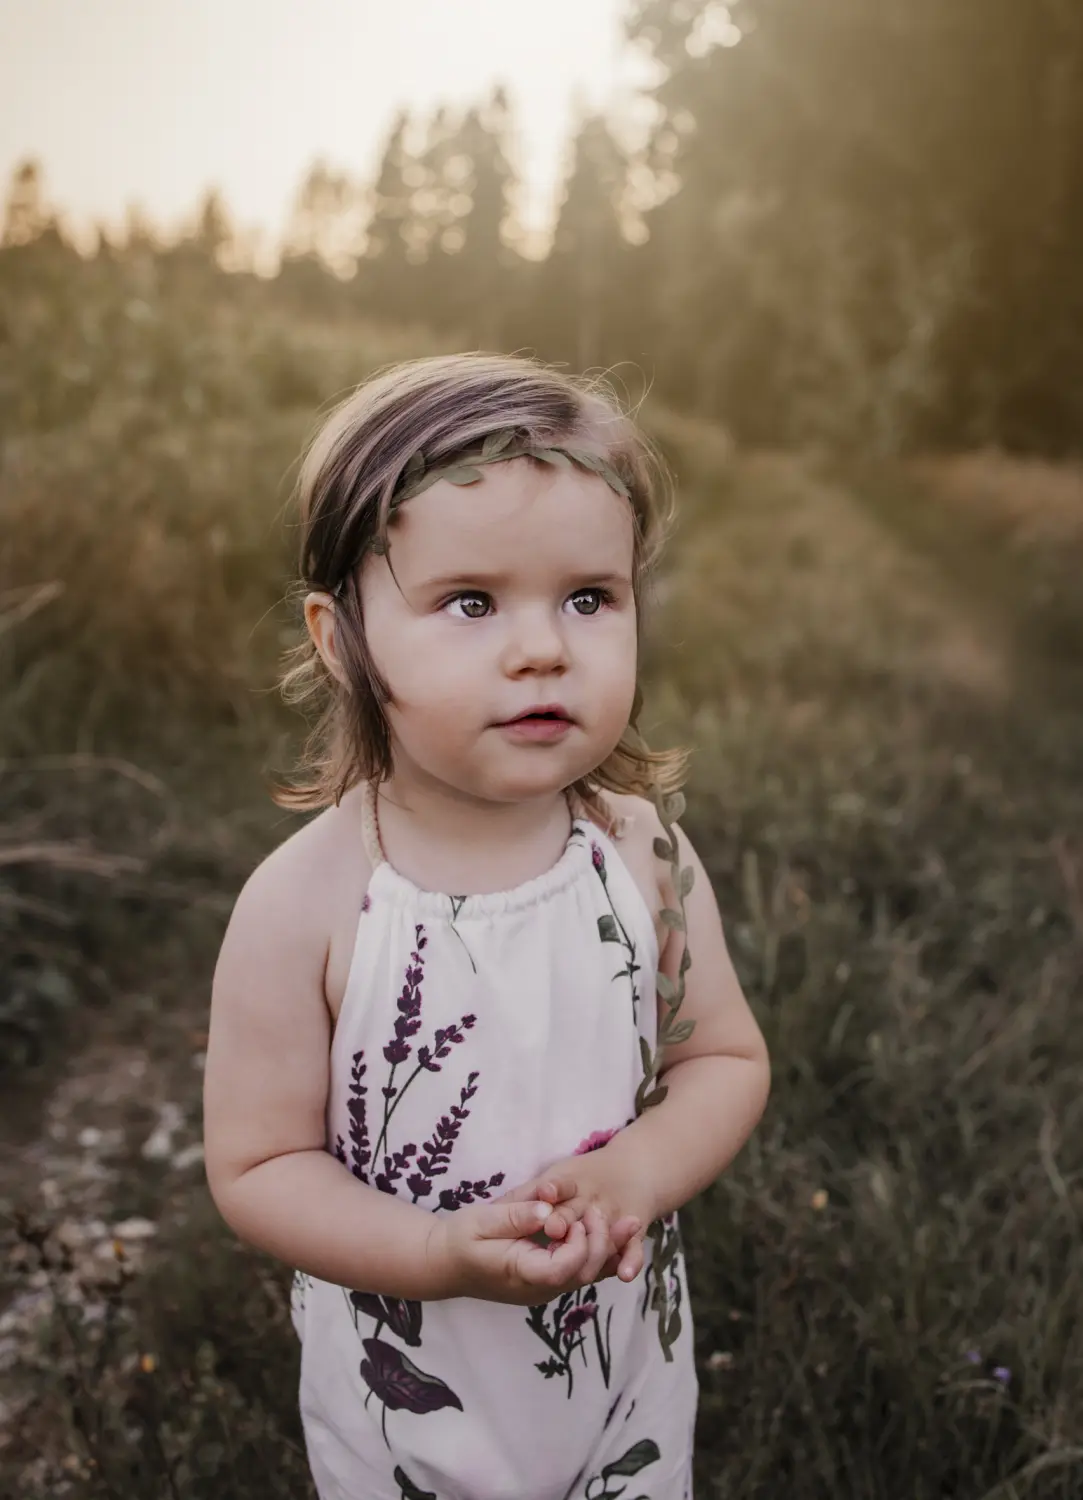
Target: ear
320, 618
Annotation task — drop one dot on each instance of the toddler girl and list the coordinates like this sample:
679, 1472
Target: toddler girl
435, 1080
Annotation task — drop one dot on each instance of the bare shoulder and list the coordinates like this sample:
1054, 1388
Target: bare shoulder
293, 883
309, 892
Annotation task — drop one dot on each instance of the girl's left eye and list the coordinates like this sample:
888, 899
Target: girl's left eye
603, 597
467, 598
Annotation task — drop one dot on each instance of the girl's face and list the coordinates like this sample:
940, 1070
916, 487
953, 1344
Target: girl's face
515, 592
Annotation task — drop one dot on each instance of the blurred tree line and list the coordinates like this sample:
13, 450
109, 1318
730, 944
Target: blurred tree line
852, 222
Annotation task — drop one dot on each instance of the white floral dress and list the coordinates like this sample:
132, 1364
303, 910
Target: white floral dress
481, 1038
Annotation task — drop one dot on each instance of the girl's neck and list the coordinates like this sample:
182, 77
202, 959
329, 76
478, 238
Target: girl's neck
443, 841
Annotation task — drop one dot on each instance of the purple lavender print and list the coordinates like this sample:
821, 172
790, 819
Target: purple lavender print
405, 1165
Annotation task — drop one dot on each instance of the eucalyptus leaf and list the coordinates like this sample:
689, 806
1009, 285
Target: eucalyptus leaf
645, 1054
607, 928
664, 849
680, 1031
672, 918
415, 465
496, 442
666, 987
615, 482
595, 463
460, 474
656, 1098
675, 806
688, 875
645, 1452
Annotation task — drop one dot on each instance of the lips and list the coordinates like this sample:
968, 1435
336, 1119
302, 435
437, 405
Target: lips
554, 711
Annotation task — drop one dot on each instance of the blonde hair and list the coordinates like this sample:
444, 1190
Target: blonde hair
443, 406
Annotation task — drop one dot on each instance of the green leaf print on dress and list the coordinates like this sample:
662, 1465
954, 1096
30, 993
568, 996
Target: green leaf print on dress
642, 1454
662, 1291
612, 930
409, 1489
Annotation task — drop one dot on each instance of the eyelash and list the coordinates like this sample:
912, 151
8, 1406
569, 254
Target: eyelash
606, 596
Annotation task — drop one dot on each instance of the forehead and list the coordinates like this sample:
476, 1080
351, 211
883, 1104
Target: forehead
519, 518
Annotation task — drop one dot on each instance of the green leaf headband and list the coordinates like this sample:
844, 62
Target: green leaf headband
499, 447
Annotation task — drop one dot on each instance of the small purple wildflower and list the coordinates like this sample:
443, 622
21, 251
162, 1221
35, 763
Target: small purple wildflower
1003, 1374
578, 1316
974, 1356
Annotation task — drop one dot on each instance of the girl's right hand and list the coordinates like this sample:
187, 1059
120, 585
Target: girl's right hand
486, 1251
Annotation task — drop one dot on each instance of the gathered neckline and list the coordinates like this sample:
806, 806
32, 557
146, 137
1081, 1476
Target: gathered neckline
573, 860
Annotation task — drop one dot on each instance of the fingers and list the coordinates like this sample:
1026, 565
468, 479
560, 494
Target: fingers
570, 1206
597, 1230
631, 1261
586, 1255
558, 1266
623, 1230
569, 1245
511, 1219
626, 1250
548, 1190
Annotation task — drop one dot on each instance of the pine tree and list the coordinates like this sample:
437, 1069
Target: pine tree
26, 214
325, 222
581, 280
383, 273
486, 258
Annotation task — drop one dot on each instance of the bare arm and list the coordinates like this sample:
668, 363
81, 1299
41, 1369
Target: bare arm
265, 1099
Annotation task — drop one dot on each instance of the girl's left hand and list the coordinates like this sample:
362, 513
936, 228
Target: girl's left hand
577, 1183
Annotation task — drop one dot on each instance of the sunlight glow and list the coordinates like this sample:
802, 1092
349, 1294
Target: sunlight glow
156, 100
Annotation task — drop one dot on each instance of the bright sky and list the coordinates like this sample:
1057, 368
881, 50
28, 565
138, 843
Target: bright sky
154, 100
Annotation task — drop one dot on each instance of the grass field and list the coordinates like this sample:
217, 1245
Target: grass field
880, 671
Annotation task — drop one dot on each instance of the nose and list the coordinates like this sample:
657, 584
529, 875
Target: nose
535, 641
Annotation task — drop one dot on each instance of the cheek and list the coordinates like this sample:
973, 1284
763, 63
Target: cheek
426, 668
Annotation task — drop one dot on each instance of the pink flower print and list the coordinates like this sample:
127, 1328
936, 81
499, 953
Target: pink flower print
594, 1142
576, 1319
597, 859
365, 902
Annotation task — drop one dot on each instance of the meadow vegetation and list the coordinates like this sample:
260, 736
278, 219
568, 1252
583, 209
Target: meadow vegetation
879, 668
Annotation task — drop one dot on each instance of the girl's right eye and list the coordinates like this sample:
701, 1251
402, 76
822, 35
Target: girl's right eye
469, 598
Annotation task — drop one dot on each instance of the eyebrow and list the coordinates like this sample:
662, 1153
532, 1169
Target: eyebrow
494, 580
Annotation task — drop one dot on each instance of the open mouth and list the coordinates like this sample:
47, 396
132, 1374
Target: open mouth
540, 723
